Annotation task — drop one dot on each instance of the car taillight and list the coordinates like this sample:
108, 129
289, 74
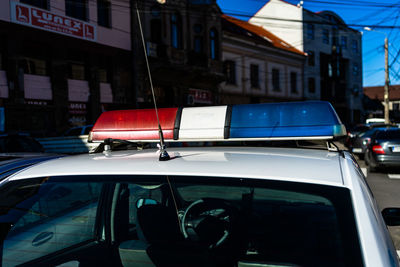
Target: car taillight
378, 149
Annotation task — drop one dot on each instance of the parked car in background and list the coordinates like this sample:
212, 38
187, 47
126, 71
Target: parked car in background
359, 142
19, 142
384, 149
80, 130
375, 120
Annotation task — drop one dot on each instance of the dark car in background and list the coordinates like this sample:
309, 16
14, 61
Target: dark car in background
384, 149
19, 142
362, 140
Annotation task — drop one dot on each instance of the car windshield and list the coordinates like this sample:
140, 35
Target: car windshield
177, 221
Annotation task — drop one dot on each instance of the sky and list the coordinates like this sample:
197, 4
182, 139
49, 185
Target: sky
382, 16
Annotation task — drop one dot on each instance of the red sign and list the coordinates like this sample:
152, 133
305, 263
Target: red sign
201, 96
43, 19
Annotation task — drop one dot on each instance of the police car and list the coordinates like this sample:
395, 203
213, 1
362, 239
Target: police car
227, 205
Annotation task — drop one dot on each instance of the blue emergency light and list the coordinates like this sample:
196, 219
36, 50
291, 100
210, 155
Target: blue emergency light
270, 121
286, 120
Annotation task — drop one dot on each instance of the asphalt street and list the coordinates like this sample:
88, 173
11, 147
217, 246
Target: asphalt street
385, 185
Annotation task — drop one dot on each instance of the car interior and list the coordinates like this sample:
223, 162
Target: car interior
175, 222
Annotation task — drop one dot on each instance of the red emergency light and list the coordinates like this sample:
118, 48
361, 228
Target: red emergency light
139, 125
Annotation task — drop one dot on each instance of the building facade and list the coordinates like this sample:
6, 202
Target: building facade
63, 62
333, 68
259, 67
376, 93
183, 43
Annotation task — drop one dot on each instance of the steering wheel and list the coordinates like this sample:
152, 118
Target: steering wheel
208, 220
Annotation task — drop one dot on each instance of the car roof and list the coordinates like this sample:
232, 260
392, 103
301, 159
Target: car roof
289, 164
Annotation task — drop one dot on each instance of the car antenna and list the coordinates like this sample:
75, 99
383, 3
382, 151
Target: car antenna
163, 152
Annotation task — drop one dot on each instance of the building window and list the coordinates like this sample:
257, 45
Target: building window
198, 44
343, 42
103, 76
325, 36
276, 85
76, 9
396, 106
293, 82
354, 46
37, 3
33, 66
310, 31
155, 34
77, 71
356, 70
311, 58
311, 85
104, 13
230, 71
214, 44
176, 30
254, 76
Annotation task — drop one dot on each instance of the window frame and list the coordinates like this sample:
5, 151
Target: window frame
73, 9
230, 72
104, 11
214, 44
276, 83
255, 76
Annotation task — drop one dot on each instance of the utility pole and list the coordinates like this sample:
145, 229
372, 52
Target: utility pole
386, 88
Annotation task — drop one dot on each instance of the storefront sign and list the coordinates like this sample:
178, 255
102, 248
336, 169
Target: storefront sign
45, 20
77, 108
201, 96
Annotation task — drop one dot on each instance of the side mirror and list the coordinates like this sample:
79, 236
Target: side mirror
391, 216
145, 201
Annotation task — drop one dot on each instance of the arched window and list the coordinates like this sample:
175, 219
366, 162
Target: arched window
214, 45
176, 30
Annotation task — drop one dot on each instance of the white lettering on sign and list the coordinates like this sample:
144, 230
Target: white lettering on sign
42, 19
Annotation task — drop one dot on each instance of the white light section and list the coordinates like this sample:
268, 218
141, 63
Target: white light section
202, 123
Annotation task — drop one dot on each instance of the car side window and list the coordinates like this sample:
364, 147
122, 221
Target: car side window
57, 217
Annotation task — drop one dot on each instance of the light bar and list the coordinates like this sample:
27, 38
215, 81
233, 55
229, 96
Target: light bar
297, 120
203, 123
271, 121
139, 125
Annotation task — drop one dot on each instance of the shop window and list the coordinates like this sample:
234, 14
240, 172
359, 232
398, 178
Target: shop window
230, 71
311, 58
311, 85
176, 30
214, 44
76, 9
77, 71
37, 3
254, 76
104, 13
293, 82
310, 31
276, 85
33, 66
325, 36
